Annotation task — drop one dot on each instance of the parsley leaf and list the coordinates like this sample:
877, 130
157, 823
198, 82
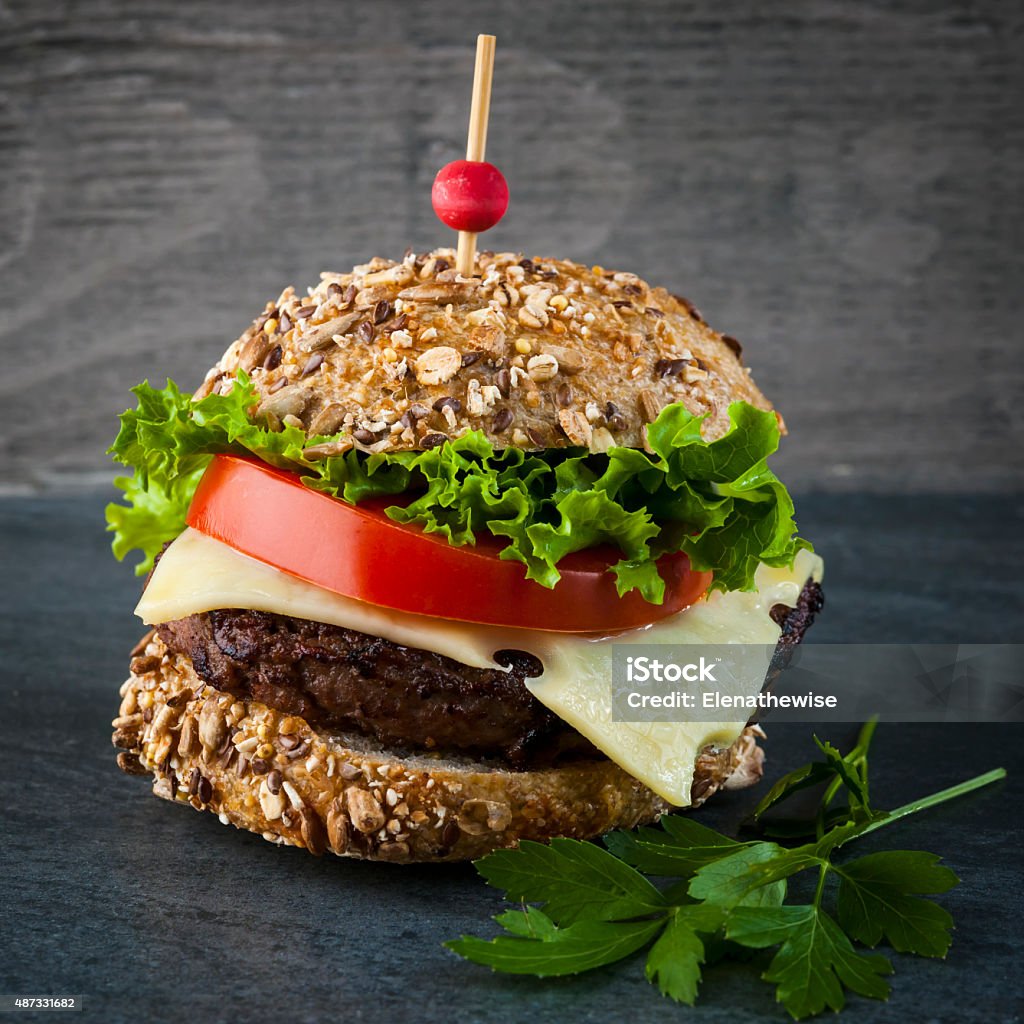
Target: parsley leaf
836, 771
675, 960
679, 846
733, 879
805, 777
573, 880
815, 959
540, 947
847, 773
879, 898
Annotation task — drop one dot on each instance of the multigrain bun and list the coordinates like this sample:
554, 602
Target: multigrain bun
400, 356
270, 773
536, 353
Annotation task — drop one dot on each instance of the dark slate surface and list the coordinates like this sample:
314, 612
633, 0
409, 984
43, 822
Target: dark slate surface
835, 184
157, 913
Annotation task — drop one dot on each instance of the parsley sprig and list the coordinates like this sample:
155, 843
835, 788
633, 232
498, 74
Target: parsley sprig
583, 907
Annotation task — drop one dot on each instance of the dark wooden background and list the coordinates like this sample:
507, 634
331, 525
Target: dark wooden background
837, 184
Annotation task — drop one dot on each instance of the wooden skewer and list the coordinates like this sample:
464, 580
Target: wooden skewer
476, 144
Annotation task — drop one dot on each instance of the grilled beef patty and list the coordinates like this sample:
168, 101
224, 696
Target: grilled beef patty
796, 621
339, 678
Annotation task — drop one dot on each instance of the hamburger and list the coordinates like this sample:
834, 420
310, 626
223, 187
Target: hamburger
390, 540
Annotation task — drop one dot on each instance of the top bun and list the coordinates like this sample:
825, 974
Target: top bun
536, 353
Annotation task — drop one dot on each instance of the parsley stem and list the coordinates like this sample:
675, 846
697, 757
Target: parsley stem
833, 788
822, 875
867, 733
925, 802
857, 759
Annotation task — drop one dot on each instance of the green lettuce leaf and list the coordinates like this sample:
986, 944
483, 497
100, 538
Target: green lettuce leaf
716, 501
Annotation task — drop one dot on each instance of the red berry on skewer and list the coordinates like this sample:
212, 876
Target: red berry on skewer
470, 195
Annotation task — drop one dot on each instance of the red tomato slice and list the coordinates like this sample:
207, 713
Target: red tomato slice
355, 550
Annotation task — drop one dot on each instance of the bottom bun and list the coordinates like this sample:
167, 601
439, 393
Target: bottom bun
271, 773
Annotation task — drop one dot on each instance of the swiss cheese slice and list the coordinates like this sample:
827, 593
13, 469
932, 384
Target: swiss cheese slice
197, 574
